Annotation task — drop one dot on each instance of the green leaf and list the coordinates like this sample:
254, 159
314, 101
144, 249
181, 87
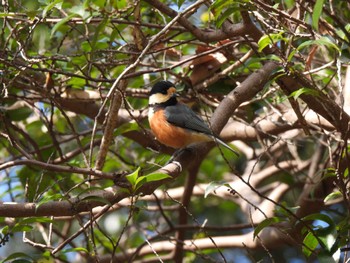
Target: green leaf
304, 91
21, 228
218, 5
322, 232
317, 13
330, 172
32, 14
102, 41
121, 4
61, 23
291, 55
324, 41
289, 3
327, 239
140, 182
156, 177
80, 60
321, 217
86, 46
179, 3
342, 34
19, 114
270, 39
310, 243
126, 127
132, 178
17, 255
221, 19
56, 3
263, 42
265, 223
48, 198
333, 196
222, 9
281, 211
99, 3
5, 230
31, 220
79, 10
272, 57
76, 82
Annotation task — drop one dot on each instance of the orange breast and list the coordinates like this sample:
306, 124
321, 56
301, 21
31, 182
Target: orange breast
171, 135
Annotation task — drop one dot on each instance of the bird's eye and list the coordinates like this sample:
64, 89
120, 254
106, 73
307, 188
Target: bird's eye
162, 87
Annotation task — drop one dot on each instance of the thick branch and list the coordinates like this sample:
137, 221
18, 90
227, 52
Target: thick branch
78, 205
273, 125
244, 92
111, 124
56, 208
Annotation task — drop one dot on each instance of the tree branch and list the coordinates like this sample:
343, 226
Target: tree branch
58, 168
272, 237
244, 92
231, 30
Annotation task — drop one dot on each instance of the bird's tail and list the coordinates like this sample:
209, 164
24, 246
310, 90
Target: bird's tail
225, 145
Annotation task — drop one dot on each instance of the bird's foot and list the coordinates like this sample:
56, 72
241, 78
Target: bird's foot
177, 153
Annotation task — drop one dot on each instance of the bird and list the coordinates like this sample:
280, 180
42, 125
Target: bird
173, 123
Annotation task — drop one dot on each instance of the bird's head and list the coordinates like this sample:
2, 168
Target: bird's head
162, 92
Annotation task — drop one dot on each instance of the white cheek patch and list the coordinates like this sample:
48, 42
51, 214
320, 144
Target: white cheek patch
158, 98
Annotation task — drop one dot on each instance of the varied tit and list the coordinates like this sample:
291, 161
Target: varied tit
173, 123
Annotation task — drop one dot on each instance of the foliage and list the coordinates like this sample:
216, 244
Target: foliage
82, 177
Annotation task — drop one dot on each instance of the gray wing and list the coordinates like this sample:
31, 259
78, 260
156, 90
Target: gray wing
182, 116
